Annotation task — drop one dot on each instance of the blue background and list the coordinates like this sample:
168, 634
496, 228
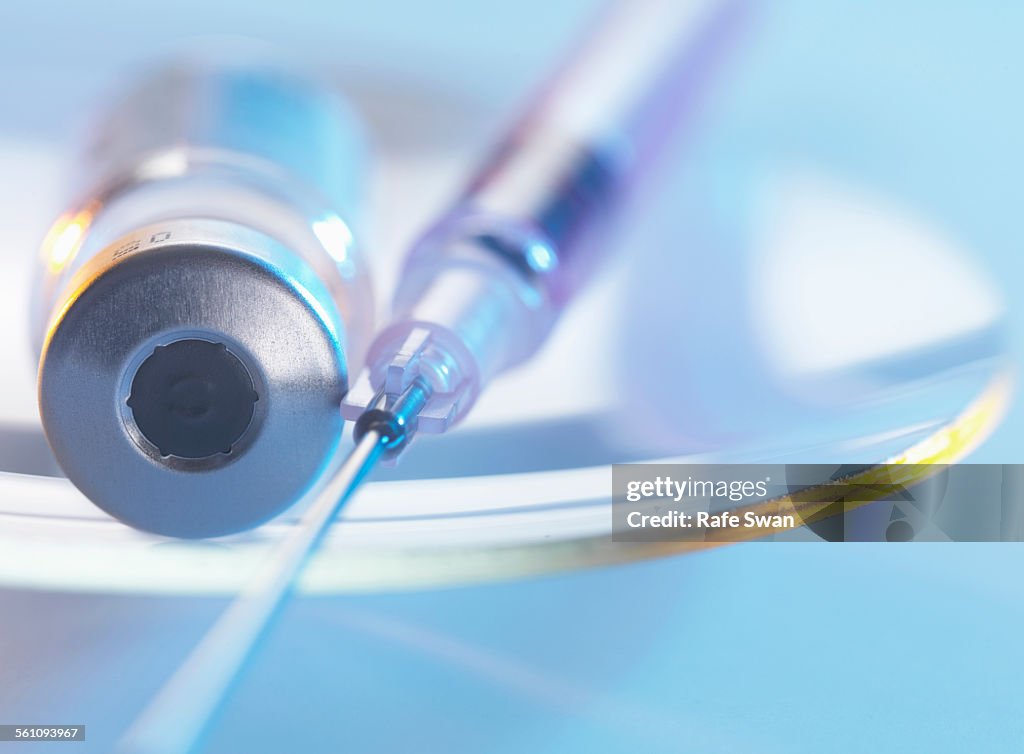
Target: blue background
754, 648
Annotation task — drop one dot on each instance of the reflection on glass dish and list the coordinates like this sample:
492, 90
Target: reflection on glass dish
461, 528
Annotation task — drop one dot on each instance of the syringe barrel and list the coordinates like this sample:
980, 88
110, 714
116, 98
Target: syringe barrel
200, 304
496, 271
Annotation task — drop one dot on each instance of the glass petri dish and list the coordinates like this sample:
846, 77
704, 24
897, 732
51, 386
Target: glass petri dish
524, 488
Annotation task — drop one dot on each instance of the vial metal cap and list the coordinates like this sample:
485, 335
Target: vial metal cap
190, 382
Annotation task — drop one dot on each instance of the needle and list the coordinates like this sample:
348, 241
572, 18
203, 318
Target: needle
479, 295
177, 717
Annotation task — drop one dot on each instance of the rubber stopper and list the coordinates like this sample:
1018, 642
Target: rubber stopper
192, 399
